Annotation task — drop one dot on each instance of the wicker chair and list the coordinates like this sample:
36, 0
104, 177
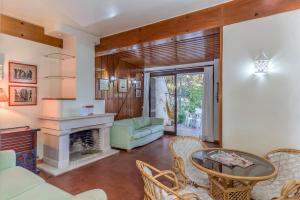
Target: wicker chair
282, 186
181, 148
157, 185
290, 191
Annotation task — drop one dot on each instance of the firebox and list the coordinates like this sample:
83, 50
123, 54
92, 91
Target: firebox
84, 143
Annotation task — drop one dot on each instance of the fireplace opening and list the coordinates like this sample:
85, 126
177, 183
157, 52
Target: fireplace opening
84, 143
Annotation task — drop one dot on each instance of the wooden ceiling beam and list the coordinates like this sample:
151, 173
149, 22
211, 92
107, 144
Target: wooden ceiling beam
28, 31
217, 16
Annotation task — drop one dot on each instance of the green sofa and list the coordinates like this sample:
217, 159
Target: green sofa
131, 133
17, 183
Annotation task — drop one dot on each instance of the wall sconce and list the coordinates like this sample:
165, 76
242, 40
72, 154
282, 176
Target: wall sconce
262, 64
134, 82
3, 97
112, 78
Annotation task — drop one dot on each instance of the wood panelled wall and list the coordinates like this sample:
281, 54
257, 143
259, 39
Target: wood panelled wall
126, 105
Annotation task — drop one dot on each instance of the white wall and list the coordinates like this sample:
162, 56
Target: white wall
262, 112
24, 51
82, 46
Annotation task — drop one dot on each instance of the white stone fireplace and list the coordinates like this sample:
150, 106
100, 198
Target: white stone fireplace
61, 116
56, 133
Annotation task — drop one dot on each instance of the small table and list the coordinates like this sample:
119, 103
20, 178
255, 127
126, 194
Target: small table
231, 183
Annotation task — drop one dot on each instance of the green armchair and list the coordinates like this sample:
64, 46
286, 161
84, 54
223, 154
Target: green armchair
18, 183
130, 133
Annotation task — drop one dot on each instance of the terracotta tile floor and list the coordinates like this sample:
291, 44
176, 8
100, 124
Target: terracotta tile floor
116, 175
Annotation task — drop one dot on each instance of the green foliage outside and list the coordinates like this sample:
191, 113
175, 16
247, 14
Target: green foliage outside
190, 94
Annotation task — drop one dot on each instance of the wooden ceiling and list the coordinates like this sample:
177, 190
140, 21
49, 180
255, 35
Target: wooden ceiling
217, 16
188, 48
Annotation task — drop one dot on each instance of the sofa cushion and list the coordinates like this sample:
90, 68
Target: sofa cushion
142, 132
44, 191
95, 194
141, 122
124, 122
155, 128
17, 180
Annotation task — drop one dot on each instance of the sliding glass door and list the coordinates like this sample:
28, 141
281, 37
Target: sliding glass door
186, 100
190, 95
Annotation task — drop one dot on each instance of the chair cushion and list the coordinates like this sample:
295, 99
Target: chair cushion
141, 122
155, 128
17, 180
143, 132
195, 175
266, 190
288, 164
44, 191
183, 148
200, 192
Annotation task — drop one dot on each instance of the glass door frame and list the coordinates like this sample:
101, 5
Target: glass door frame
173, 72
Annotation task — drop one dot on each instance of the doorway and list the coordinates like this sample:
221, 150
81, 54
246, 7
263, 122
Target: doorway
163, 101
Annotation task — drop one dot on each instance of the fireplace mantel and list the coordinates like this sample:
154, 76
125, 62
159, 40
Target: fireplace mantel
66, 125
77, 117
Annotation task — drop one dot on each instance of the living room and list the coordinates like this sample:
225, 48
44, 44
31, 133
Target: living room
98, 99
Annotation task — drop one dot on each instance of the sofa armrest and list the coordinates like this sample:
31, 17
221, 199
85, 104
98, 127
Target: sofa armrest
95, 194
7, 159
120, 136
157, 121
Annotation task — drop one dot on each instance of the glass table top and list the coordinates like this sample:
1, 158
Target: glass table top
260, 167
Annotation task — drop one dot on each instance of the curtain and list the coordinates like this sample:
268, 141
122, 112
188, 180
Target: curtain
146, 94
207, 119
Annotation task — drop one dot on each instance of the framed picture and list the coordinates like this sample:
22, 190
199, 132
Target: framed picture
138, 84
123, 85
138, 93
104, 84
22, 73
22, 95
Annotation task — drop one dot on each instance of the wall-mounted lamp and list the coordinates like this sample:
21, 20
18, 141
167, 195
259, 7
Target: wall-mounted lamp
3, 97
262, 63
112, 78
134, 82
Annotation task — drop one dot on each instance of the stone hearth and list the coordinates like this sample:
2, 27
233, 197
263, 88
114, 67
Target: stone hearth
56, 134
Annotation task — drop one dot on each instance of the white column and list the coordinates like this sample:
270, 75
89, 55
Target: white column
104, 137
56, 148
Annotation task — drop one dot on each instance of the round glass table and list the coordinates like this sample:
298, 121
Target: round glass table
229, 181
